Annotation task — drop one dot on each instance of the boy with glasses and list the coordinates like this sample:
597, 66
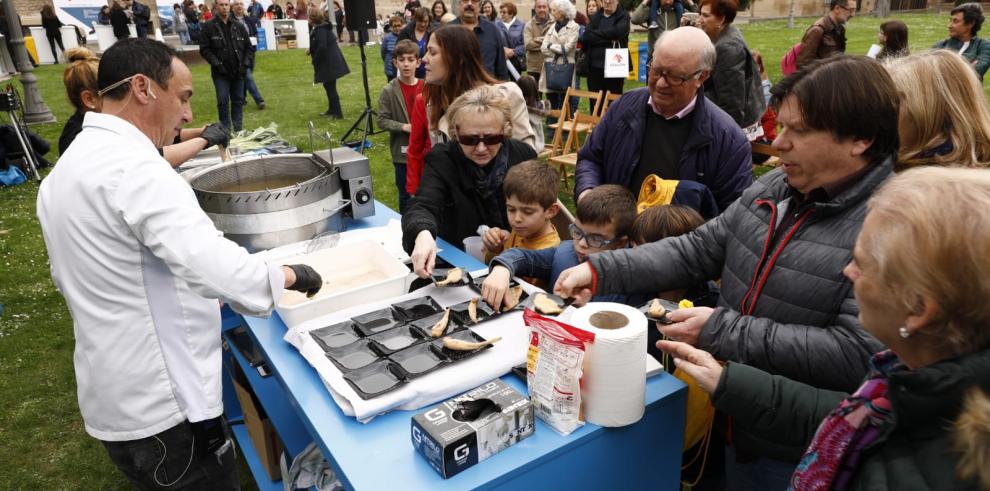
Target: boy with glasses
604, 218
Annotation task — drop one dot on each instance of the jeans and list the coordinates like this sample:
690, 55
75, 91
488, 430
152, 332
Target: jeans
757, 475
142, 30
184, 37
400, 184
230, 101
170, 460
251, 87
333, 99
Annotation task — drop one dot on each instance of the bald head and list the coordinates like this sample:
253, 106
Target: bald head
686, 43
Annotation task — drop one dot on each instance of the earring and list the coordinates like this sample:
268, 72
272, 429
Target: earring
904, 332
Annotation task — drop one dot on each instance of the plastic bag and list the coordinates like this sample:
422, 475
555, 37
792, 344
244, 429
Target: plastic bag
554, 369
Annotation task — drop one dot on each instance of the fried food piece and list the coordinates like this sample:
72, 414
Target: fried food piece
656, 310
454, 277
473, 310
441, 325
512, 297
459, 345
546, 305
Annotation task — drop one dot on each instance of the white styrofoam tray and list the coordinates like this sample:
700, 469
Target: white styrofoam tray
353, 273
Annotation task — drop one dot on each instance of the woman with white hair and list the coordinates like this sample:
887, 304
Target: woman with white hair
921, 419
559, 46
461, 186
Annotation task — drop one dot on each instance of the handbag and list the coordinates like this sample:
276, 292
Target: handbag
616, 61
559, 75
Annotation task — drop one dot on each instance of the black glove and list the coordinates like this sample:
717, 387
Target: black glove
308, 280
216, 134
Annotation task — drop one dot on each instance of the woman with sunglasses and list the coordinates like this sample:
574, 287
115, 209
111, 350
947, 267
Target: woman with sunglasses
453, 66
461, 187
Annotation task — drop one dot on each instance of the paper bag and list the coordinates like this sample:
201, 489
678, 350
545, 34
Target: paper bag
616, 63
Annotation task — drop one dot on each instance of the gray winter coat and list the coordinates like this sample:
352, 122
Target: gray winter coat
789, 310
735, 84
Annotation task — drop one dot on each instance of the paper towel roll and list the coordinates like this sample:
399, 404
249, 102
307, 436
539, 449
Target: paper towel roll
614, 383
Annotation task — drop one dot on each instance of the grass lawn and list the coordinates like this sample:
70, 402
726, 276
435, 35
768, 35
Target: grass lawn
44, 443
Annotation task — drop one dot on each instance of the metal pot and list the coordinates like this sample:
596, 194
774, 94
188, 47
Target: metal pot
266, 201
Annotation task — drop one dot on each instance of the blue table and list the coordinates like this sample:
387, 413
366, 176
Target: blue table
380, 456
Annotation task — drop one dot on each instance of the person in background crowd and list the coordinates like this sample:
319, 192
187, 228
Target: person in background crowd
410, 8
276, 10
418, 31
302, 10
893, 36
734, 84
103, 18
669, 129
559, 44
667, 18
489, 38
944, 115
394, 105
591, 8
785, 305
921, 418
769, 119
181, 27
965, 23
453, 67
462, 181
255, 13
488, 10
142, 18
533, 37
395, 25
249, 85
205, 12
536, 107
338, 19
439, 10
52, 29
609, 28
290, 10
512, 29
143, 271
328, 62
192, 20
580, 17
827, 36
226, 46
118, 19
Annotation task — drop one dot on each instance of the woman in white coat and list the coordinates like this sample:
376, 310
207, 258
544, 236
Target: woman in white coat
559, 46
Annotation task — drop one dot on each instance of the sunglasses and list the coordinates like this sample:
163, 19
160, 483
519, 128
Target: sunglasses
474, 140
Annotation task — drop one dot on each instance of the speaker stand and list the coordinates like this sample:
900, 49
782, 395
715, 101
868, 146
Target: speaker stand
367, 116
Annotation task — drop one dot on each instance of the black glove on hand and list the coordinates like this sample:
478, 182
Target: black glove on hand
216, 134
308, 280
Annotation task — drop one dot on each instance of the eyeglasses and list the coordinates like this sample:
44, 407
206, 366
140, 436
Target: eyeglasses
474, 140
675, 80
593, 240
114, 85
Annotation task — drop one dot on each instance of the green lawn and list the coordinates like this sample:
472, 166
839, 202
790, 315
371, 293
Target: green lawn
44, 444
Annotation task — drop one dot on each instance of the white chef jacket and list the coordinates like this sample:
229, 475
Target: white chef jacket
142, 268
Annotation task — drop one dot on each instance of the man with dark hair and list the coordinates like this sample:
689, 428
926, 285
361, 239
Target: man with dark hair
226, 45
237, 9
669, 129
965, 22
143, 269
489, 37
827, 36
784, 306
142, 18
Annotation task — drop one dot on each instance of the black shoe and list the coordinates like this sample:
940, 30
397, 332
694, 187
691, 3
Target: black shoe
261, 105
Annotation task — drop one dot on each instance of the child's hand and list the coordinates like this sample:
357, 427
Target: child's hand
494, 238
495, 286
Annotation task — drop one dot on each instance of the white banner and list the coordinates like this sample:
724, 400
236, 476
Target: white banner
82, 13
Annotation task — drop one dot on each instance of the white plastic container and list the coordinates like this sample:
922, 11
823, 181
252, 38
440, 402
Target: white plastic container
475, 246
355, 273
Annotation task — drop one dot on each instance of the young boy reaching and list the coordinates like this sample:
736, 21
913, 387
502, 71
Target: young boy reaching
604, 217
393, 110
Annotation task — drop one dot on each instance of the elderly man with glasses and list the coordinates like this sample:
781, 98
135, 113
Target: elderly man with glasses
670, 130
827, 36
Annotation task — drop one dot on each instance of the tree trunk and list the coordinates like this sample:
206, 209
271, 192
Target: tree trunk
790, 15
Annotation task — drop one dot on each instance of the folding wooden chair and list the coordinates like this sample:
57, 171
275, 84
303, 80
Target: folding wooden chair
552, 149
562, 220
609, 99
595, 99
767, 149
568, 155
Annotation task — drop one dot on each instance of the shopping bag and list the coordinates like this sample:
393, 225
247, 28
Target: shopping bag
616, 62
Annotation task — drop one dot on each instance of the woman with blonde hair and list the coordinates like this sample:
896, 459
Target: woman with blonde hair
83, 92
461, 186
944, 115
921, 419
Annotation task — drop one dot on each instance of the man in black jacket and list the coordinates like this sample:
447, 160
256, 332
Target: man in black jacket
142, 18
226, 46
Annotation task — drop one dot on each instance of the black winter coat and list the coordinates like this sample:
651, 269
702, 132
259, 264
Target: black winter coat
118, 19
228, 57
328, 62
603, 33
447, 202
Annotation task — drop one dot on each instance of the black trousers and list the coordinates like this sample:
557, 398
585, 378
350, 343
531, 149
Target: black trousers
333, 99
51, 42
171, 460
597, 81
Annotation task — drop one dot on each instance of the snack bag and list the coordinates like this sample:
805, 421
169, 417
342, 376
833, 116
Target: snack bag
554, 369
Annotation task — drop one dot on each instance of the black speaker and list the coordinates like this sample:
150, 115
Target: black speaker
360, 15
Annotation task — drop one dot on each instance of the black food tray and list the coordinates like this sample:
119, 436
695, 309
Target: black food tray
335, 336
397, 339
376, 379
417, 308
667, 304
420, 359
354, 356
377, 321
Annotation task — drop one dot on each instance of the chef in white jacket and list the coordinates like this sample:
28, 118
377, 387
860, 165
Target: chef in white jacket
142, 269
